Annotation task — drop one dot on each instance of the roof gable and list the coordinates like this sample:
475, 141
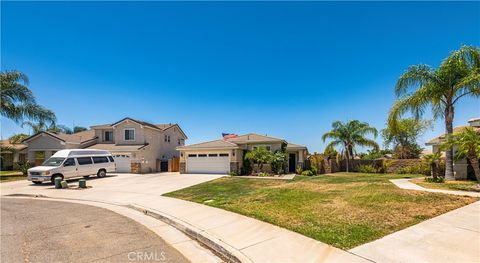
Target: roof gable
216, 144
254, 138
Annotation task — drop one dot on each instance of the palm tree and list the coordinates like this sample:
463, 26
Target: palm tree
349, 135
467, 143
17, 101
17, 138
42, 126
421, 86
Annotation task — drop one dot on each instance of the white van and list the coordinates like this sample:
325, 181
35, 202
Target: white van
73, 163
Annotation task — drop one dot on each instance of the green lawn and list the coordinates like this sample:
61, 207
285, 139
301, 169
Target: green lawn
448, 185
344, 210
7, 176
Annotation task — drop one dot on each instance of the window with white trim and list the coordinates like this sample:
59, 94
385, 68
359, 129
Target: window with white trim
129, 134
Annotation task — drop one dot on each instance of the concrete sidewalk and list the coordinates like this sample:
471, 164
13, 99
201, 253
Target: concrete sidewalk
451, 237
250, 239
406, 184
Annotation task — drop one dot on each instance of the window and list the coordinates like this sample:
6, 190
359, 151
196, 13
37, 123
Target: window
69, 162
108, 137
165, 138
84, 160
202, 155
213, 155
192, 155
129, 134
54, 161
168, 138
111, 159
100, 159
223, 155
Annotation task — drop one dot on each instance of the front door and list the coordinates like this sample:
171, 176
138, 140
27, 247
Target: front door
292, 162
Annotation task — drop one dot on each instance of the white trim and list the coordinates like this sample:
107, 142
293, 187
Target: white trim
134, 135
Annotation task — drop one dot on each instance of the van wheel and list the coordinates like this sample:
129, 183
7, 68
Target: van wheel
37, 182
55, 176
101, 173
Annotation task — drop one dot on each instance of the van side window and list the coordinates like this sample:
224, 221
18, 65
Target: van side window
69, 162
84, 160
100, 159
111, 159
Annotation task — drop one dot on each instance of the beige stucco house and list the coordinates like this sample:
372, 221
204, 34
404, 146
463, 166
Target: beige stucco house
226, 155
12, 153
136, 146
462, 168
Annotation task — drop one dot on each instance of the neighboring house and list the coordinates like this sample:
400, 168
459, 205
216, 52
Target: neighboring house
461, 168
136, 146
12, 153
44, 144
226, 155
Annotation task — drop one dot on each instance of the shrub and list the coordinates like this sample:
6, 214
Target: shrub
307, 173
314, 170
299, 170
278, 162
22, 167
233, 174
247, 165
415, 169
262, 174
434, 180
367, 168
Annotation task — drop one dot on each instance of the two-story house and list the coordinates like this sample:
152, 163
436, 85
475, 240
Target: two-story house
145, 145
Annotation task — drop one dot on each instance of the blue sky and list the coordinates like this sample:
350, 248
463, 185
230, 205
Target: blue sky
279, 68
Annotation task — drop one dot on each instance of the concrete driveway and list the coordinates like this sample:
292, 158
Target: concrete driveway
116, 188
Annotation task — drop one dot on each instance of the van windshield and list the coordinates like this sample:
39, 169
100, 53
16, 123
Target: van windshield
54, 161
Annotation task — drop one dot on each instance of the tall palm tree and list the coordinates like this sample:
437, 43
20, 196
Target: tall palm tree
349, 135
422, 86
17, 101
42, 126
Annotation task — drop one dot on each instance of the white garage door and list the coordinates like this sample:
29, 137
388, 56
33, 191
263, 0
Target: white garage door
208, 163
123, 163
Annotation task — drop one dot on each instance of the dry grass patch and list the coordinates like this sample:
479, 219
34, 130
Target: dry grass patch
449, 185
344, 210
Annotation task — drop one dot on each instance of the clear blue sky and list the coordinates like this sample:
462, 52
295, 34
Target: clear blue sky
279, 68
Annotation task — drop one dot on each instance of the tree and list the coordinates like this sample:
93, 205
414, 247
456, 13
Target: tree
330, 152
467, 144
42, 126
17, 138
422, 86
349, 135
432, 161
279, 161
17, 101
78, 129
259, 156
403, 137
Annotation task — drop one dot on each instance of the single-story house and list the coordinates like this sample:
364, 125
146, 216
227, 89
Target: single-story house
226, 155
12, 153
136, 146
462, 169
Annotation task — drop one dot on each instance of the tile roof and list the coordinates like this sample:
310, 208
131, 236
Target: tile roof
295, 146
79, 137
440, 138
253, 138
216, 144
16, 146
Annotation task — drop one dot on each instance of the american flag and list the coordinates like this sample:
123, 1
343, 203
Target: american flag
228, 135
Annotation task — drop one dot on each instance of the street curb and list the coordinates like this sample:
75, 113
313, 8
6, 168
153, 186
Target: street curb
226, 251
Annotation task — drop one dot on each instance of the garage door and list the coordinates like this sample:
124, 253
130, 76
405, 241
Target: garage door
123, 163
208, 163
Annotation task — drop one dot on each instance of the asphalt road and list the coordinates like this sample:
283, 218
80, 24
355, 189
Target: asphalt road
50, 231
